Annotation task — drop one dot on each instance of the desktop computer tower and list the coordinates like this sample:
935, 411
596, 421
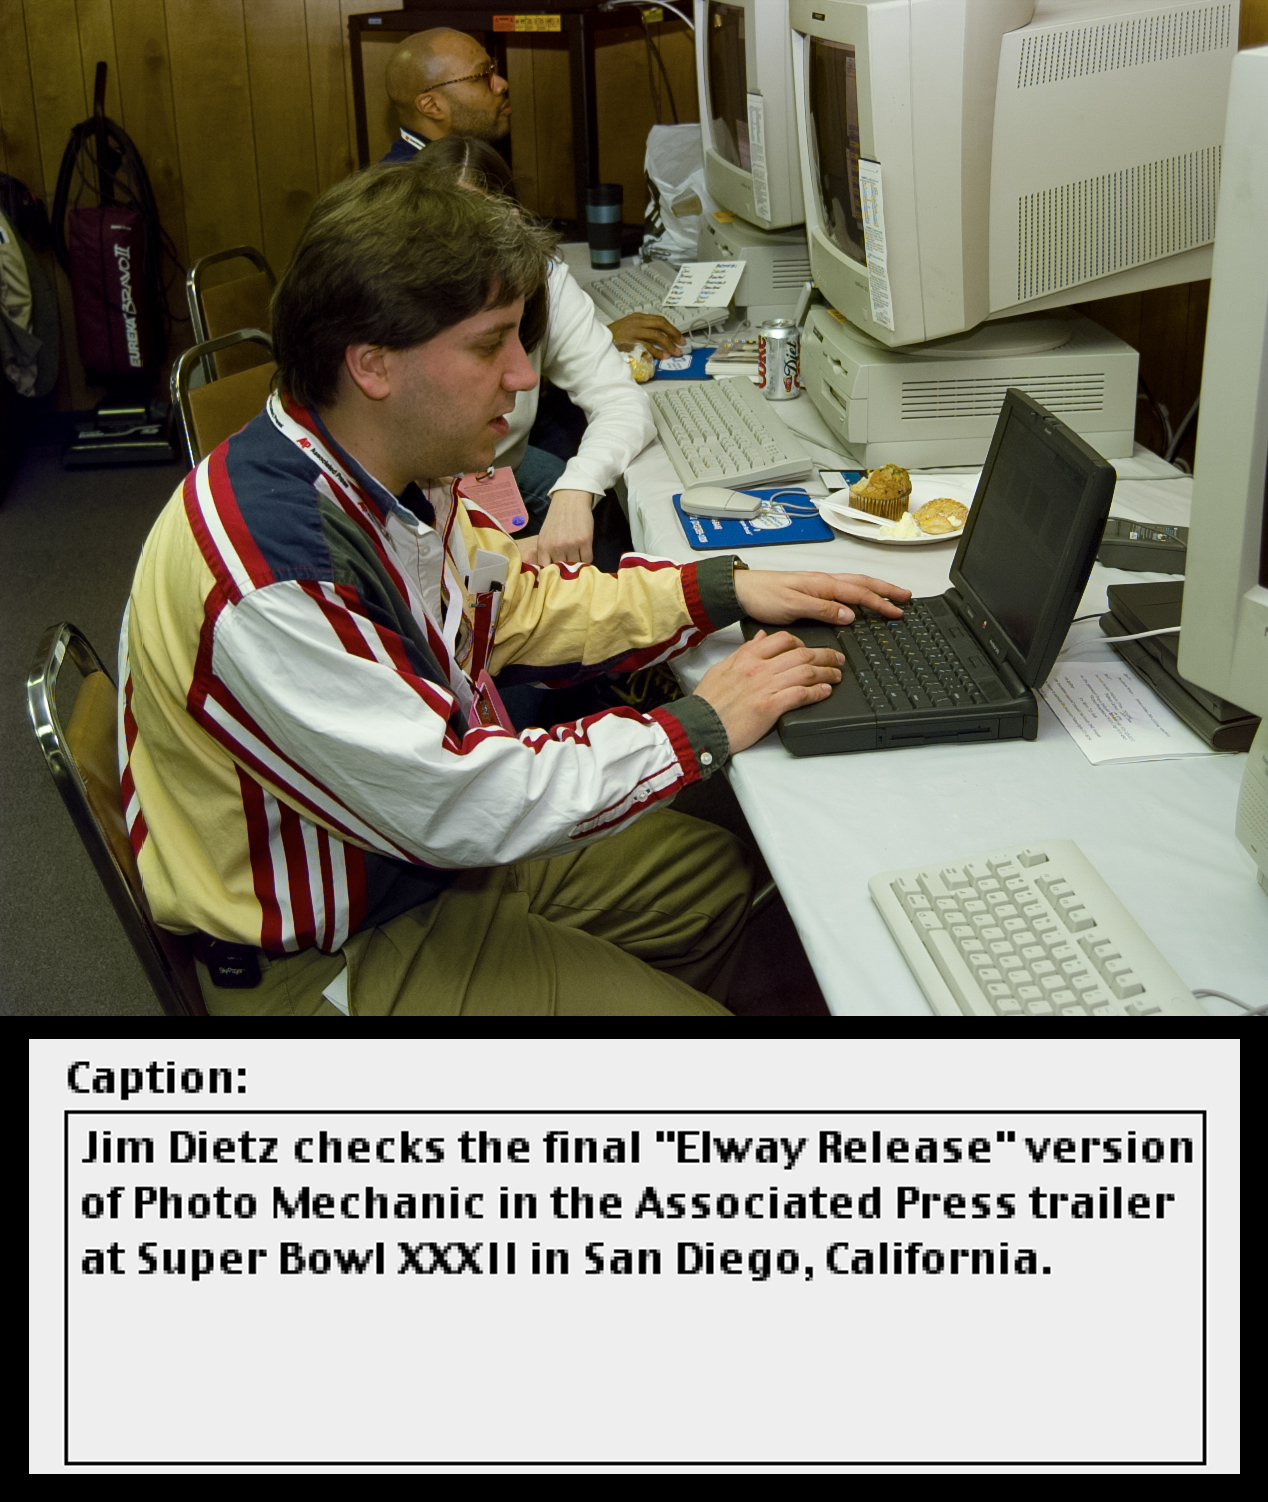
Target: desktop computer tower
777, 263
936, 405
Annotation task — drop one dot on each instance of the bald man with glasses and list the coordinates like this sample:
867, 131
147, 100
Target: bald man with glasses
443, 83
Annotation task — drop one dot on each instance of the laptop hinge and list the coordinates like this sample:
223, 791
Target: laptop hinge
987, 635
1013, 683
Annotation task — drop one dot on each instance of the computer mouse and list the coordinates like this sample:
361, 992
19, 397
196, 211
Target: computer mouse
714, 500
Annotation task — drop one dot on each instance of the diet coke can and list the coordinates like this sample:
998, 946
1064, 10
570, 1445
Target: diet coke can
779, 360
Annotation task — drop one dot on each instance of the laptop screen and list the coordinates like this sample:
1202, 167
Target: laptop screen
1027, 551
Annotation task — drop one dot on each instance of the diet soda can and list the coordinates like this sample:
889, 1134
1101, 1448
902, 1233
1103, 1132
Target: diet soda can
779, 360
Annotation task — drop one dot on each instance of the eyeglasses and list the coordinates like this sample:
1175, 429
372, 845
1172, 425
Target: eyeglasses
485, 74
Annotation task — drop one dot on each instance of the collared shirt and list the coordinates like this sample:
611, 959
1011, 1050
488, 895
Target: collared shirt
405, 148
297, 756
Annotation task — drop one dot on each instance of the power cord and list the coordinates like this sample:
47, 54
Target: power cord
661, 5
810, 510
1112, 641
1259, 1011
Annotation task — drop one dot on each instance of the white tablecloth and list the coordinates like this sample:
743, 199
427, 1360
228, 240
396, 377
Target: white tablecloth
1160, 833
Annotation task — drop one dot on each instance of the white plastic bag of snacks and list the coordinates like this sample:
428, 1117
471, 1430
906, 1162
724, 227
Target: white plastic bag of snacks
642, 366
674, 164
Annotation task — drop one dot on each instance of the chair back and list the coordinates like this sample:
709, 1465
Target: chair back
242, 303
213, 411
83, 761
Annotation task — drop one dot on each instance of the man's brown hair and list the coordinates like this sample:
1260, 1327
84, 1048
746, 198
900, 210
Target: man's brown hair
389, 258
468, 162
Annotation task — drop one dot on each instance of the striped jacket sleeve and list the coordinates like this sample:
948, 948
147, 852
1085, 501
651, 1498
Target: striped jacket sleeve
319, 698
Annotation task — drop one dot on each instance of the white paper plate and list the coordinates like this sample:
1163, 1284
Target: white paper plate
923, 488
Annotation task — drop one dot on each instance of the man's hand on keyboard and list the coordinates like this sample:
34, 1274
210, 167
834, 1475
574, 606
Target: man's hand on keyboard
661, 339
778, 598
765, 678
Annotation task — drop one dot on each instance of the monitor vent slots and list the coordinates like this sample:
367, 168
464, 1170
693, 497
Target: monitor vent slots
1054, 56
924, 400
790, 273
1084, 230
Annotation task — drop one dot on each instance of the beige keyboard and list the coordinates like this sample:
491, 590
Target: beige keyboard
725, 433
1029, 932
642, 289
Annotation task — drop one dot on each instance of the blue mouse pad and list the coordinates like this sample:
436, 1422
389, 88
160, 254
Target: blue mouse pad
688, 367
773, 524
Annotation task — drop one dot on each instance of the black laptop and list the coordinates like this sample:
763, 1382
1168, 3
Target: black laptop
963, 666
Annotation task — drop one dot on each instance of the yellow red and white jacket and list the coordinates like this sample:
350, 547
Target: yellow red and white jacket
296, 667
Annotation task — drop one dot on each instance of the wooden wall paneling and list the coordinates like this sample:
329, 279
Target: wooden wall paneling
380, 113
57, 85
626, 113
282, 121
95, 20
19, 137
354, 8
519, 76
541, 123
327, 47
1194, 348
626, 104
678, 50
207, 44
1253, 25
57, 81
148, 115
1164, 318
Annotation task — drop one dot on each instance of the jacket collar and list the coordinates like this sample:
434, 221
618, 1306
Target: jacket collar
373, 492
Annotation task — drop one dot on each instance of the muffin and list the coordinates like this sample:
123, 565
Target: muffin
942, 515
885, 492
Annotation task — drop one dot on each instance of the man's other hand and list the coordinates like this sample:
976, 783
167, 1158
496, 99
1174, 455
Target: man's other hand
656, 334
767, 677
567, 534
778, 598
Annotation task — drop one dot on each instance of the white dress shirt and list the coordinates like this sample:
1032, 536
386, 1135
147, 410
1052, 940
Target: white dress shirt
579, 357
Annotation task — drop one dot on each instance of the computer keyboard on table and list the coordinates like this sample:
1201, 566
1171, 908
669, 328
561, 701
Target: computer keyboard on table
1030, 932
642, 289
725, 433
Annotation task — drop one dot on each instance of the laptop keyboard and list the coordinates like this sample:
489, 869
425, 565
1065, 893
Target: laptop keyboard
910, 664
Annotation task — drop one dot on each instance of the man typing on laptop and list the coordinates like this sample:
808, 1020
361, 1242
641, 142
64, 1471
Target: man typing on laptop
316, 780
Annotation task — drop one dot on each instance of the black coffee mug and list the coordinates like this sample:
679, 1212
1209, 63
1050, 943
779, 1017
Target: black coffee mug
603, 224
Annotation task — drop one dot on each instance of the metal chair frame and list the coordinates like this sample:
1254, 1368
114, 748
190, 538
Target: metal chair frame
183, 370
194, 279
166, 958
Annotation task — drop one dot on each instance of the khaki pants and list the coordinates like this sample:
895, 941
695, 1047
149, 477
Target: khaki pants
574, 936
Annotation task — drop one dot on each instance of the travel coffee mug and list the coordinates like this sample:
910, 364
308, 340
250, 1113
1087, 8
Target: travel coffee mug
603, 224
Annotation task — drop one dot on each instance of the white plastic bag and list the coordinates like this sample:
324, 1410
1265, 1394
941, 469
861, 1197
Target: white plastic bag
674, 164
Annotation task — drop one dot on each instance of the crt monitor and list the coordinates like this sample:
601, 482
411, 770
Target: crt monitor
1224, 628
972, 159
747, 118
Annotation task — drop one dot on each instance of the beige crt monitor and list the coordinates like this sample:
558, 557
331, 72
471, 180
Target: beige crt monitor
969, 159
1224, 627
747, 112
